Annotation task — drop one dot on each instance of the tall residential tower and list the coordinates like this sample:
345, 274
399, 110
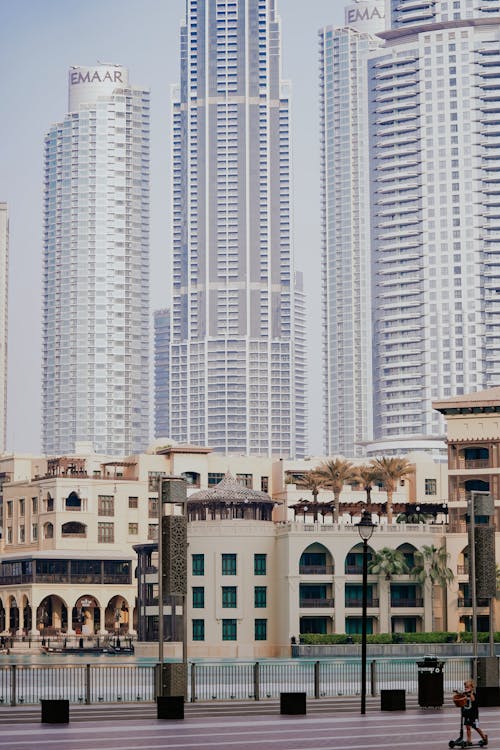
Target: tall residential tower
345, 187
237, 365
4, 287
96, 267
435, 184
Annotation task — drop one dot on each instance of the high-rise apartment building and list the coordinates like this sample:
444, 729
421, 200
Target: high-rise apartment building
96, 267
435, 183
346, 266
236, 365
429, 117
161, 352
4, 288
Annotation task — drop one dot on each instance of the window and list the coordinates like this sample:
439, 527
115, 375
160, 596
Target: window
214, 477
153, 507
260, 597
152, 531
133, 529
198, 630
260, 630
245, 479
22, 507
154, 480
431, 486
198, 565
34, 505
259, 564
229, 596
22, 536
9, 534
34, 531
105, 531
106, 505
228, 564
198, 597
228, 630
133, 502
264, 484
9, 508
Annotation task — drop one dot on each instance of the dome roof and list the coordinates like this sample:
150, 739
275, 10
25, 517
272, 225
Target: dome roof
229, 490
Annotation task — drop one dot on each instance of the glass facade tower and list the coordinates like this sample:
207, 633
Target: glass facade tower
346, 265
236, 370
96, 267
4, 287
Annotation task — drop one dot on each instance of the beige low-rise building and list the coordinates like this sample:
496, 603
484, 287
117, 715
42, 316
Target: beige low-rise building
70, 525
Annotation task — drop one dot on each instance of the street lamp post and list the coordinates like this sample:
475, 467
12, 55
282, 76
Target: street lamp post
365, 529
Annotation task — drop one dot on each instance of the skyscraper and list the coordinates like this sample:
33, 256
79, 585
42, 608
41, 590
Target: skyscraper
345, 187
161, 351
96, 267
435, 184
4, 288
429, 116
236, 365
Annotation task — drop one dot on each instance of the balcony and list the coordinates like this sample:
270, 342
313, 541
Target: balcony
371, 602
395, 603
316, 570
462, 570
313, 603
466, 601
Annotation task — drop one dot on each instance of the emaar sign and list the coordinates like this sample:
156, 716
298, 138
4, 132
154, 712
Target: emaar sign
87, 83
366, 16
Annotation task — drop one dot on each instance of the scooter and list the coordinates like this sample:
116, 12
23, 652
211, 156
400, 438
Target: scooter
461, 741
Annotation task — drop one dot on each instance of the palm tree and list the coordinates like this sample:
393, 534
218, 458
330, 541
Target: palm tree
390, 471
431, 564
313, 483
412, 518
333, 474
366, 476
386, 563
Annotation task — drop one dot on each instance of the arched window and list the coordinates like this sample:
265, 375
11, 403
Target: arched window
73, 501
48, 530
73, 528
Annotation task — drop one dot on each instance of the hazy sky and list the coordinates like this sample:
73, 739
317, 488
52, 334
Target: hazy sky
39, 40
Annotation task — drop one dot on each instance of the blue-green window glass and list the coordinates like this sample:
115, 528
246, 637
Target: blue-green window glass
260, 564
198, 630
260, 596
260, 629
228, 564
198, 597
228, 630
198, 565
229, 596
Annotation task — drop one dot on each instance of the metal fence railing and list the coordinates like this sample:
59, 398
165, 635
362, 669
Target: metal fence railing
90, 683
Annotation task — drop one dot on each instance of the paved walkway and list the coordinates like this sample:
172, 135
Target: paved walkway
414, 728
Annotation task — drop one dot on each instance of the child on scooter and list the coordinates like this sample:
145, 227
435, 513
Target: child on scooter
470, 713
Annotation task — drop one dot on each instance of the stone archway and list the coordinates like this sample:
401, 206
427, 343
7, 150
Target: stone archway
25, 615
14, 615
86, 615
52, 615
117, 615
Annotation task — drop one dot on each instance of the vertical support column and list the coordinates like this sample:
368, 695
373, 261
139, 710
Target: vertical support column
373, 678
13, 685
193, 682
316, 679
256, 681
87, 684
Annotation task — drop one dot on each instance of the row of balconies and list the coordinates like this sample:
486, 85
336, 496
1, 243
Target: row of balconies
306, 603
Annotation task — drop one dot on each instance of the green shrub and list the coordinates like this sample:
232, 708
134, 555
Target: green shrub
381, 638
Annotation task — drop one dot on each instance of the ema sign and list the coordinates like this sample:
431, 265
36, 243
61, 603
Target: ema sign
364, 13
96, 76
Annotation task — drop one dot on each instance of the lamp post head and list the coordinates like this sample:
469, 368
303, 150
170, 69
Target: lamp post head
366, 526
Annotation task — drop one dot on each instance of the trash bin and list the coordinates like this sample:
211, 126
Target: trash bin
430, 682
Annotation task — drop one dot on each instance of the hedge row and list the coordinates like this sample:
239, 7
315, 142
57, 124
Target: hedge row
440, 637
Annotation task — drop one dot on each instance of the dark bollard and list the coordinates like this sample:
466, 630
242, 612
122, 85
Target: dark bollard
293, 704
55, 711
170, 707
80, 643
393, 700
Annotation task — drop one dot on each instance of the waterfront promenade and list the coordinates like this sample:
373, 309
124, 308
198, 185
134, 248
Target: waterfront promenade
329, 725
